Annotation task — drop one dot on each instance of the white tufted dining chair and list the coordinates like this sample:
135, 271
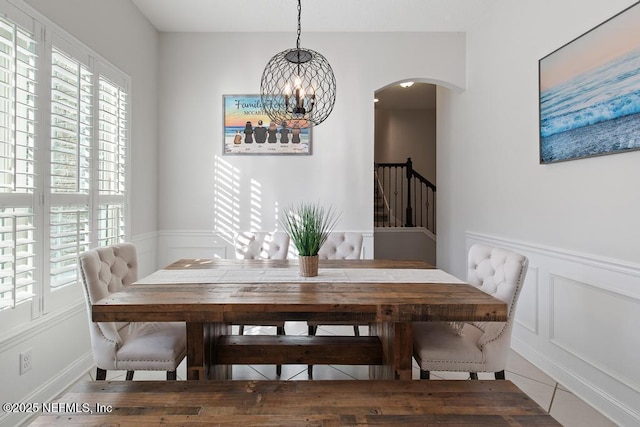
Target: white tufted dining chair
475, 346
342, 245
339, 245
263, 245
130, 346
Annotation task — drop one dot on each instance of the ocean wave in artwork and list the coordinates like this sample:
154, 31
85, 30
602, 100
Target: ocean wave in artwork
609, 110
606, 93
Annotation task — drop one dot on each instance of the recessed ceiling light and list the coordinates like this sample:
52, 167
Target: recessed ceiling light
406, 84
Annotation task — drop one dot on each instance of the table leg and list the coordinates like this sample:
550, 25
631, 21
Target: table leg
196, 360
215, 331
397, 347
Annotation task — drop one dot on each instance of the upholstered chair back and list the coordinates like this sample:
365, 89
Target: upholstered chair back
342, 245
104, 271
262, 245
499, 273
475, 346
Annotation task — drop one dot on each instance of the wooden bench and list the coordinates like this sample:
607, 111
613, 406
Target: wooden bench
299, 403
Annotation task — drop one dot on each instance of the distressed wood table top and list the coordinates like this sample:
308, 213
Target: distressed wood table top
367, 290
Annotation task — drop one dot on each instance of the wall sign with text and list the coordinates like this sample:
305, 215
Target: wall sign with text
248, 130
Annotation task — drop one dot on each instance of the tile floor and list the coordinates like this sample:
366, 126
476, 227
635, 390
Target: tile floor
565, 407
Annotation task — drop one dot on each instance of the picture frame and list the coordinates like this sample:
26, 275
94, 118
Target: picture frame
247, 130
589, 92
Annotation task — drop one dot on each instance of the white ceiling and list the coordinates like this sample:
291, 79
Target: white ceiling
317, 15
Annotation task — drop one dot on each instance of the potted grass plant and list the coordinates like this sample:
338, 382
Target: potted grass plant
308, 226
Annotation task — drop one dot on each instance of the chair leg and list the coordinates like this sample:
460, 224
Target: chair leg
101, 374
172, 375
129, 375
500, 375
311, 332
424, 375
279, 331
473, 375
356, 331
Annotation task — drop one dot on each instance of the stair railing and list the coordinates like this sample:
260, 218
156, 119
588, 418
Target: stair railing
387, 215
405, 190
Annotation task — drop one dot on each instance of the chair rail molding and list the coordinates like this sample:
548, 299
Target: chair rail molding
576, 320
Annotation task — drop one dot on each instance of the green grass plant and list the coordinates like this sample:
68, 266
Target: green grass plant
308, 226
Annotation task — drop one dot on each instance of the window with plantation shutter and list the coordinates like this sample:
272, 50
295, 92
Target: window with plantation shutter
112, 139
64, 135
70, 166
17, 164
71, 124
17, 268
111, 224
112, 162
69, 237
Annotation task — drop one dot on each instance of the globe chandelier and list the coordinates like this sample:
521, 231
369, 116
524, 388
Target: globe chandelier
298, 86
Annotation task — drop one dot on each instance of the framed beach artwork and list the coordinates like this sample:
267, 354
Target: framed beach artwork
590, 92
248, 130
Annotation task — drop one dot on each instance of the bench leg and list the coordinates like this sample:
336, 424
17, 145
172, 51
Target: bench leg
500, 375
473, 375
424, 375
172, 375
101, 374
129, 375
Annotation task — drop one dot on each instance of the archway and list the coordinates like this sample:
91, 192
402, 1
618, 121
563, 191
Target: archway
405, 196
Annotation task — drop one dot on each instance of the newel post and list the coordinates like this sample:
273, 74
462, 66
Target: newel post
409, 213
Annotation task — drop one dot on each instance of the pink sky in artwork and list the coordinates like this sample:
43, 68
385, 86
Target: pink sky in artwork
608, 41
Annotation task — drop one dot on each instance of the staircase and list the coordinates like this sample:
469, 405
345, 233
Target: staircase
382, 216
403, 197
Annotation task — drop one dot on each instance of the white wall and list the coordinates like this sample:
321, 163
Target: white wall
578, 219
196, 70
59, 342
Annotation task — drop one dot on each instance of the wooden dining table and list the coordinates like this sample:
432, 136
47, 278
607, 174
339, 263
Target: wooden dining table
210, 295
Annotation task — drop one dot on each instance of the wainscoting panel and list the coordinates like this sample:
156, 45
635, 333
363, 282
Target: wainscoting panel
577, 320
147, 246
174, 245
604, 339
528, 303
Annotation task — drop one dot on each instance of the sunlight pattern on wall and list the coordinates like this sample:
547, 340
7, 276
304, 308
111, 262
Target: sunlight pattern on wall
226, 199
256, 205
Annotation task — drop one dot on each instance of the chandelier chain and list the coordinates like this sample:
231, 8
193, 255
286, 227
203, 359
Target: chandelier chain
299, 28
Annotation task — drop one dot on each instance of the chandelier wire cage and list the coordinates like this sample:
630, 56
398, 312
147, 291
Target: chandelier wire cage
298, 86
